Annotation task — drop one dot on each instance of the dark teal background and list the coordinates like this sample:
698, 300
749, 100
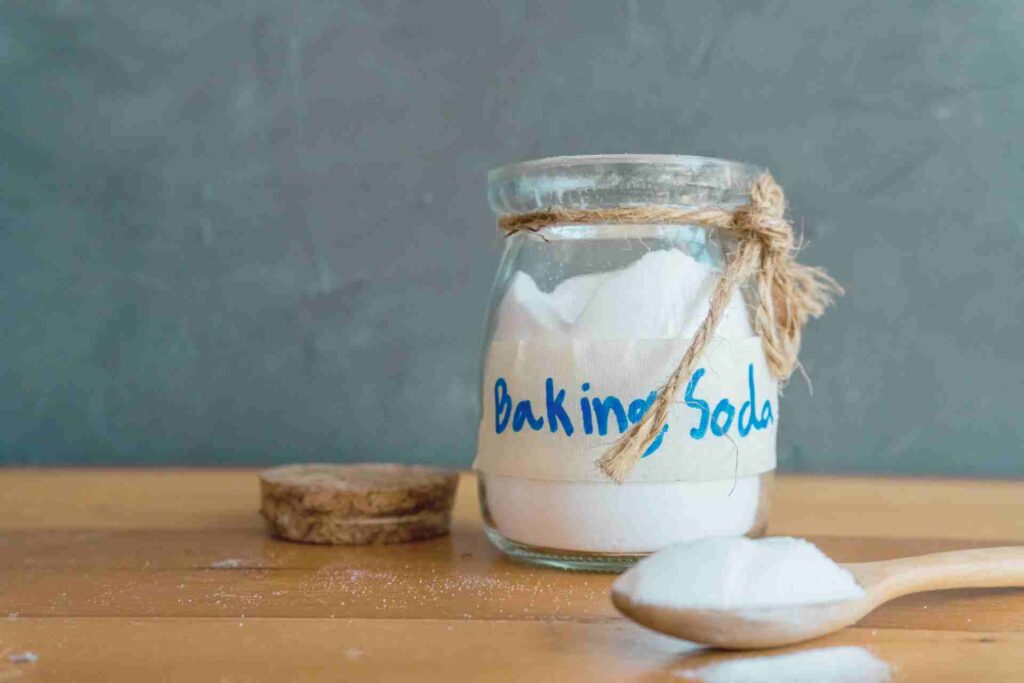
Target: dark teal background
249, 232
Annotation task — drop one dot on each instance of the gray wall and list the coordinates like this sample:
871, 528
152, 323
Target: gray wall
250, 232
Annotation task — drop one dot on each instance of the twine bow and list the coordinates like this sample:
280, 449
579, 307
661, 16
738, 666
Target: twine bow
787, 293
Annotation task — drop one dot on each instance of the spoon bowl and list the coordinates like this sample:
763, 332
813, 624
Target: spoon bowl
777, 625
749, 628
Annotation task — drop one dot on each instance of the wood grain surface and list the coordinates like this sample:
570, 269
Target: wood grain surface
112, 575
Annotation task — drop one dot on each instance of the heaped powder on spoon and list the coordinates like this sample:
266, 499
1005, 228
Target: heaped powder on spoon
737, 573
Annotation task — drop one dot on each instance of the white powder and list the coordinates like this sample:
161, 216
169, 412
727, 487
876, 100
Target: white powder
826, 665
631, 518
571, 296
663, 295
527, 312
230, 563
669, 299
23, 658
738, 573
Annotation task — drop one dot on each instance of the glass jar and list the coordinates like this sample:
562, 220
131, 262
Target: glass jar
585, 324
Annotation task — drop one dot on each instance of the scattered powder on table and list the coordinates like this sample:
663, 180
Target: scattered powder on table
230, 563
845, 664
737, 573
23, 658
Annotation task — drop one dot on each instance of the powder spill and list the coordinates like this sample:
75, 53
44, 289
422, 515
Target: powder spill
737, 573
440, 588
845, 664
23, 658
230, 563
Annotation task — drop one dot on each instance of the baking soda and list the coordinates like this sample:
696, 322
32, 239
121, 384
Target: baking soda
662, 295
571, 296
613, 518
737, 574
845, 664
526, 312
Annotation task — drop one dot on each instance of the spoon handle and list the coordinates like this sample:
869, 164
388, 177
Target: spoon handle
975, 568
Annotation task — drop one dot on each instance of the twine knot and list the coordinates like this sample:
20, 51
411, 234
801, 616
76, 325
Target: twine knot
785, 296
763, 218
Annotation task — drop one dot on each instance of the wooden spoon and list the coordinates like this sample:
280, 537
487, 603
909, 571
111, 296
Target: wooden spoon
742, 628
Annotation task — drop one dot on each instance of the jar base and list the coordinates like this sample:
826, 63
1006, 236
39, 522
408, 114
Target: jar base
579, 560
561, 559
571, 508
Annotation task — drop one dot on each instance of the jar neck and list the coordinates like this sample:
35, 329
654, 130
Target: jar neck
594, 182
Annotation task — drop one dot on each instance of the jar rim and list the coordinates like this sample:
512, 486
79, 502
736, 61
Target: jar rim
606, 180
571, 160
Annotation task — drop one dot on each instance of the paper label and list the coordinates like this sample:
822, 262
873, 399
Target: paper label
551, 408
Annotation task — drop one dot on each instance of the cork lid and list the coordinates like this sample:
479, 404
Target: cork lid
361, 490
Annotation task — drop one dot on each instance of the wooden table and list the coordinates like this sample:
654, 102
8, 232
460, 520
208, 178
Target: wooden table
143, 575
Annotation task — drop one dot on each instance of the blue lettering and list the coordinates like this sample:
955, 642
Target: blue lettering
520, 414
744, 425
638, 407
701, 429
502, 405
603, 408
723, 408
588, 420
556, 413
523, 414
656, 444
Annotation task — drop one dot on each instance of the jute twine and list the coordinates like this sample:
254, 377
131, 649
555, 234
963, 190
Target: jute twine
787, 293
